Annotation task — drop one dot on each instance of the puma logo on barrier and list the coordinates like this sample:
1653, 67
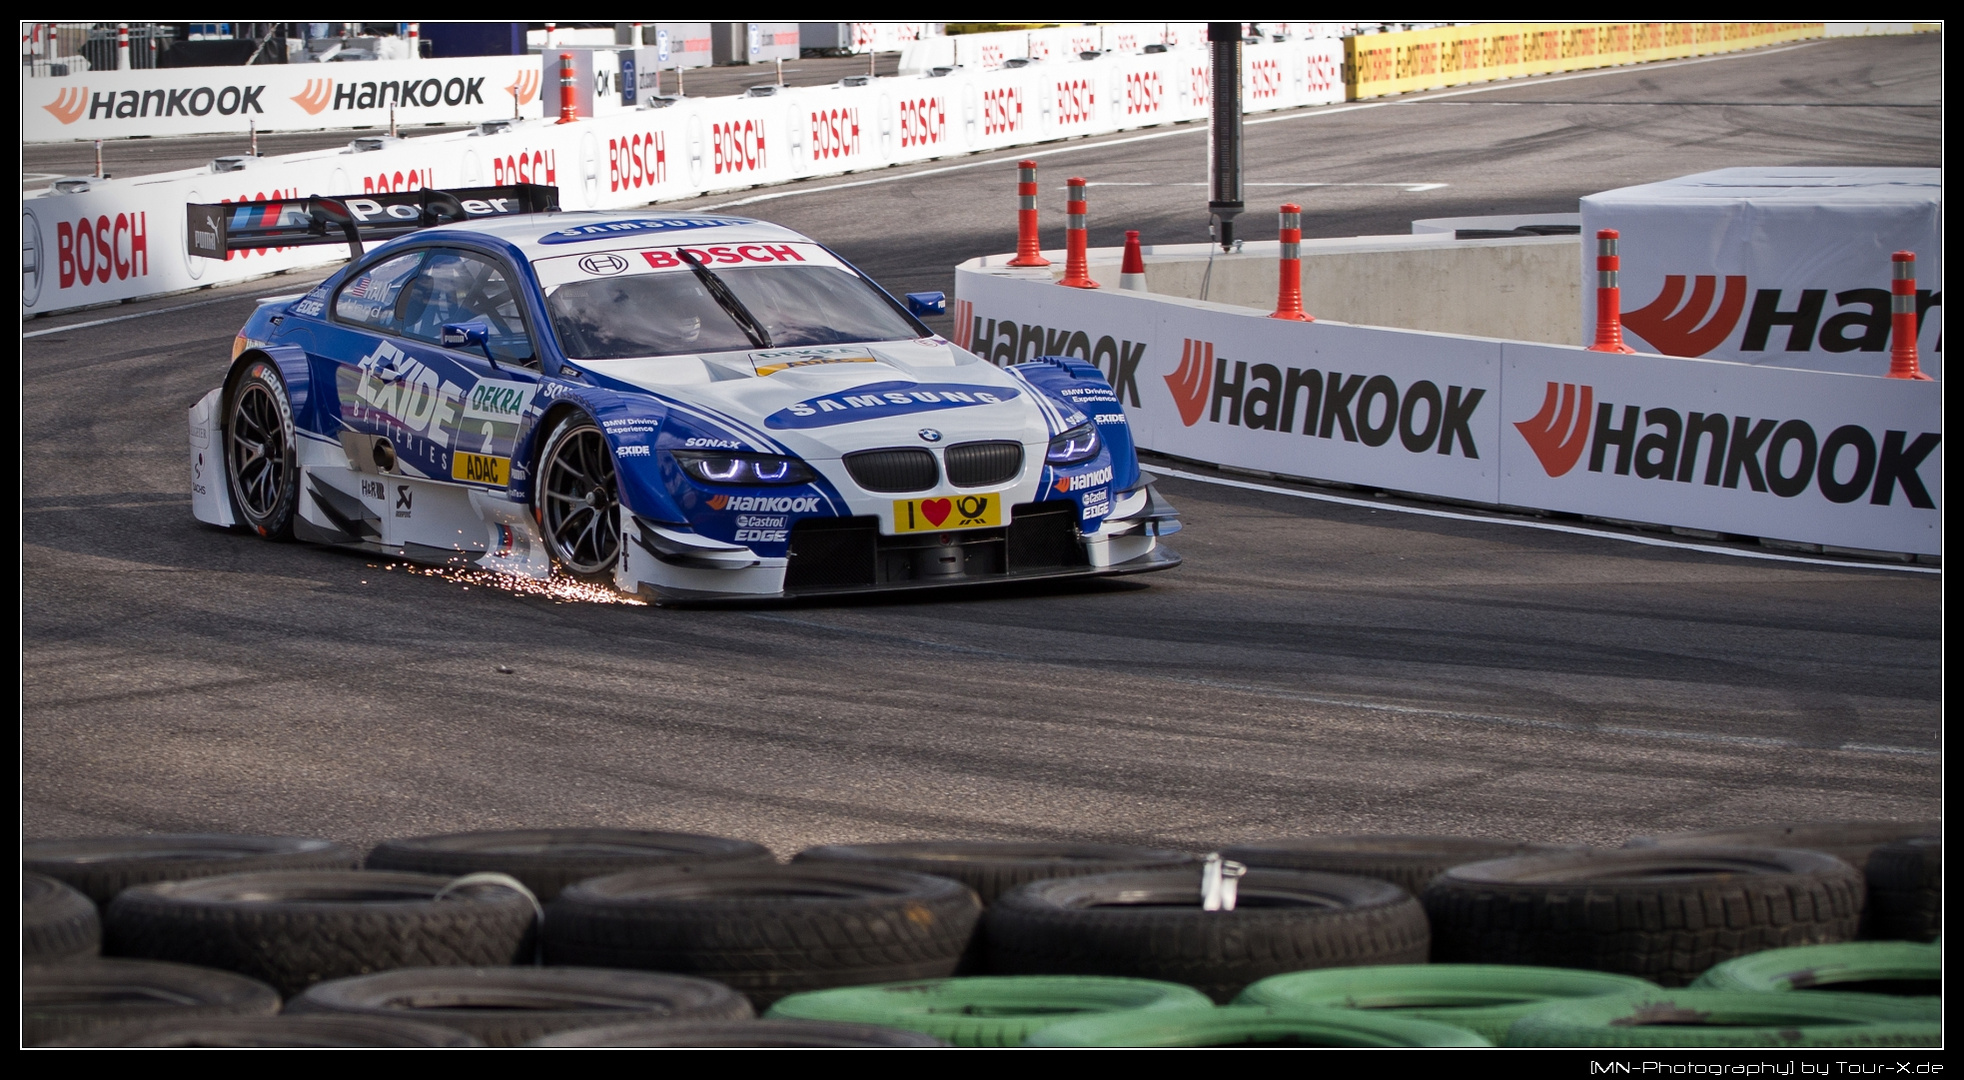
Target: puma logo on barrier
68, 104
1190, 383
1674, 330
1560, 431
525, 87
316, 96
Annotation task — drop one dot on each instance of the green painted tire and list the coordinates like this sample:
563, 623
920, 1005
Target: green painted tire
1865, 966
1483, 998
1705, 1019
1252, 1025
998, 1010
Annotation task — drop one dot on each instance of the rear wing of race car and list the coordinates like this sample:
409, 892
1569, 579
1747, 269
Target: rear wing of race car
213, 229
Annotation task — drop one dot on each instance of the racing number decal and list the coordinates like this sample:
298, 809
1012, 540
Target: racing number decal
950, 512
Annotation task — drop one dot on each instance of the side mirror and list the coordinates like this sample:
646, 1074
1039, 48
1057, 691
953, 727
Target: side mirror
468, 335
924, 304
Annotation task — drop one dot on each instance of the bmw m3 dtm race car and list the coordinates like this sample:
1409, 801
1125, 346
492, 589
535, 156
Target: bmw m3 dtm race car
691, 406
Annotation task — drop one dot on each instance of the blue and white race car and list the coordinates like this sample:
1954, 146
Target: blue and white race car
688, 406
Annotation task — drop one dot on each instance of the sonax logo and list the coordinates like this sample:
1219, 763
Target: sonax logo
1785, 457
68, 104
1677, 326
1367, 409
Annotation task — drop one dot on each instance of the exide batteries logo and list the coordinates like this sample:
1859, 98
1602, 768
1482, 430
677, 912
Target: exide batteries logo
1677, 326
1785, 457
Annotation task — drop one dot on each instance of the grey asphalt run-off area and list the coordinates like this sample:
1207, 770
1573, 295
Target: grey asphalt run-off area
1314, 666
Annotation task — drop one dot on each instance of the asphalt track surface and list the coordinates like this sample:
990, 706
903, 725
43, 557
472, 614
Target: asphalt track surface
1314, 666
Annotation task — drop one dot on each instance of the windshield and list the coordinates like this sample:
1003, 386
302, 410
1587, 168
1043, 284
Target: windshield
664, 314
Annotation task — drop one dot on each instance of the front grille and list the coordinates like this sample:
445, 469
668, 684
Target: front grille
900, 469
832, 552
979, 464
1044, 536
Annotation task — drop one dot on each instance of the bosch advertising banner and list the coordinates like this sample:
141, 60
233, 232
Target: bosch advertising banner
1804, 456
1788, 267
278, 97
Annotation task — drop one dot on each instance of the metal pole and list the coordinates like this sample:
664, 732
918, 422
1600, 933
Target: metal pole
1224, 132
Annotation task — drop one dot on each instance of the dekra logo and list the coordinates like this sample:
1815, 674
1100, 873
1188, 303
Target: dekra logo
1785, 457
1359, 408
1677, 326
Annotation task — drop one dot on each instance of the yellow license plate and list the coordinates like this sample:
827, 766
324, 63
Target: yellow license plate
947, 512
480, 469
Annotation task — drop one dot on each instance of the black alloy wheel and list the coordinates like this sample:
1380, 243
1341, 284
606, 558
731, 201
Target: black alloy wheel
260, 455
579, 498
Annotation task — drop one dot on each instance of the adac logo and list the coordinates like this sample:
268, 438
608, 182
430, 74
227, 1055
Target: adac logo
315, 96
1783, 456
1560, 431
69, 103
1190, 382
1685, 330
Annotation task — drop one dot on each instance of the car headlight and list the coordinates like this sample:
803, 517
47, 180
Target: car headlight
1078, 444
742, 470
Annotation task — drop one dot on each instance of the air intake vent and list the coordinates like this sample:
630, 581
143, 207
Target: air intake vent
979, 464
901, 469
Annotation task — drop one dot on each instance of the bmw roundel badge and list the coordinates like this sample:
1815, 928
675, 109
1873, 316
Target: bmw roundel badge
928, 434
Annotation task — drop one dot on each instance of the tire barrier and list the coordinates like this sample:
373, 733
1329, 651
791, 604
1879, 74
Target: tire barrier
767, 931
293, 929
993, 867
72, 1000
987, 1010
56, 922
1712, 1019
103, 866
1906, 890
1870, 967
1408, 862
1664, 914
745, 1035
1150, 925
512, 1006
280, 1032
1250, 1025
1482, 998
548, 860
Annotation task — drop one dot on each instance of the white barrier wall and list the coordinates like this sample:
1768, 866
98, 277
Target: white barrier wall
1802, 456
125, 238
278, 97
1774, 265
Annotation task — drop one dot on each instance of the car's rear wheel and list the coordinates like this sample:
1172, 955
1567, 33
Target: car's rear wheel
578, 498
261, 457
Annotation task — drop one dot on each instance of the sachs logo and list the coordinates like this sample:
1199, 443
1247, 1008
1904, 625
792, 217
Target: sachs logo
1785, 457
1677, 326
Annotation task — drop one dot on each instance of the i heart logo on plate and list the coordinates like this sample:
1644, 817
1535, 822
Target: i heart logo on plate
936, 510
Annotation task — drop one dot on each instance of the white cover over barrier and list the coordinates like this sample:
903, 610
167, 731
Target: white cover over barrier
279, 97
125, 238
1786, 266
1802, 456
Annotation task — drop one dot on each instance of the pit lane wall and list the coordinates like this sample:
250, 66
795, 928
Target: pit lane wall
1802, 457
124, 238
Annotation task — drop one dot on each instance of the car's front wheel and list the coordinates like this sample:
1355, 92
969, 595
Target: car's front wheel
261, 458
578, 498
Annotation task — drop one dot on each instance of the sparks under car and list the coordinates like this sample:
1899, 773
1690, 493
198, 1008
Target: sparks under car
691, 406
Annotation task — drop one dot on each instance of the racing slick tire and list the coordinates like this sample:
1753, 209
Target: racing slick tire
548, 860
56, 922
262, 455
64, 1001
1151, 925
293, 929
102, 866
1906, 890
1663, 914
767, 931
510, 1006
1408, 862
743, 1035
993, 867
576, 498
279, 1033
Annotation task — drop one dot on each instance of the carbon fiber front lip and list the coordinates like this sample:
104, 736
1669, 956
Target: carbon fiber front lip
1159, 558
